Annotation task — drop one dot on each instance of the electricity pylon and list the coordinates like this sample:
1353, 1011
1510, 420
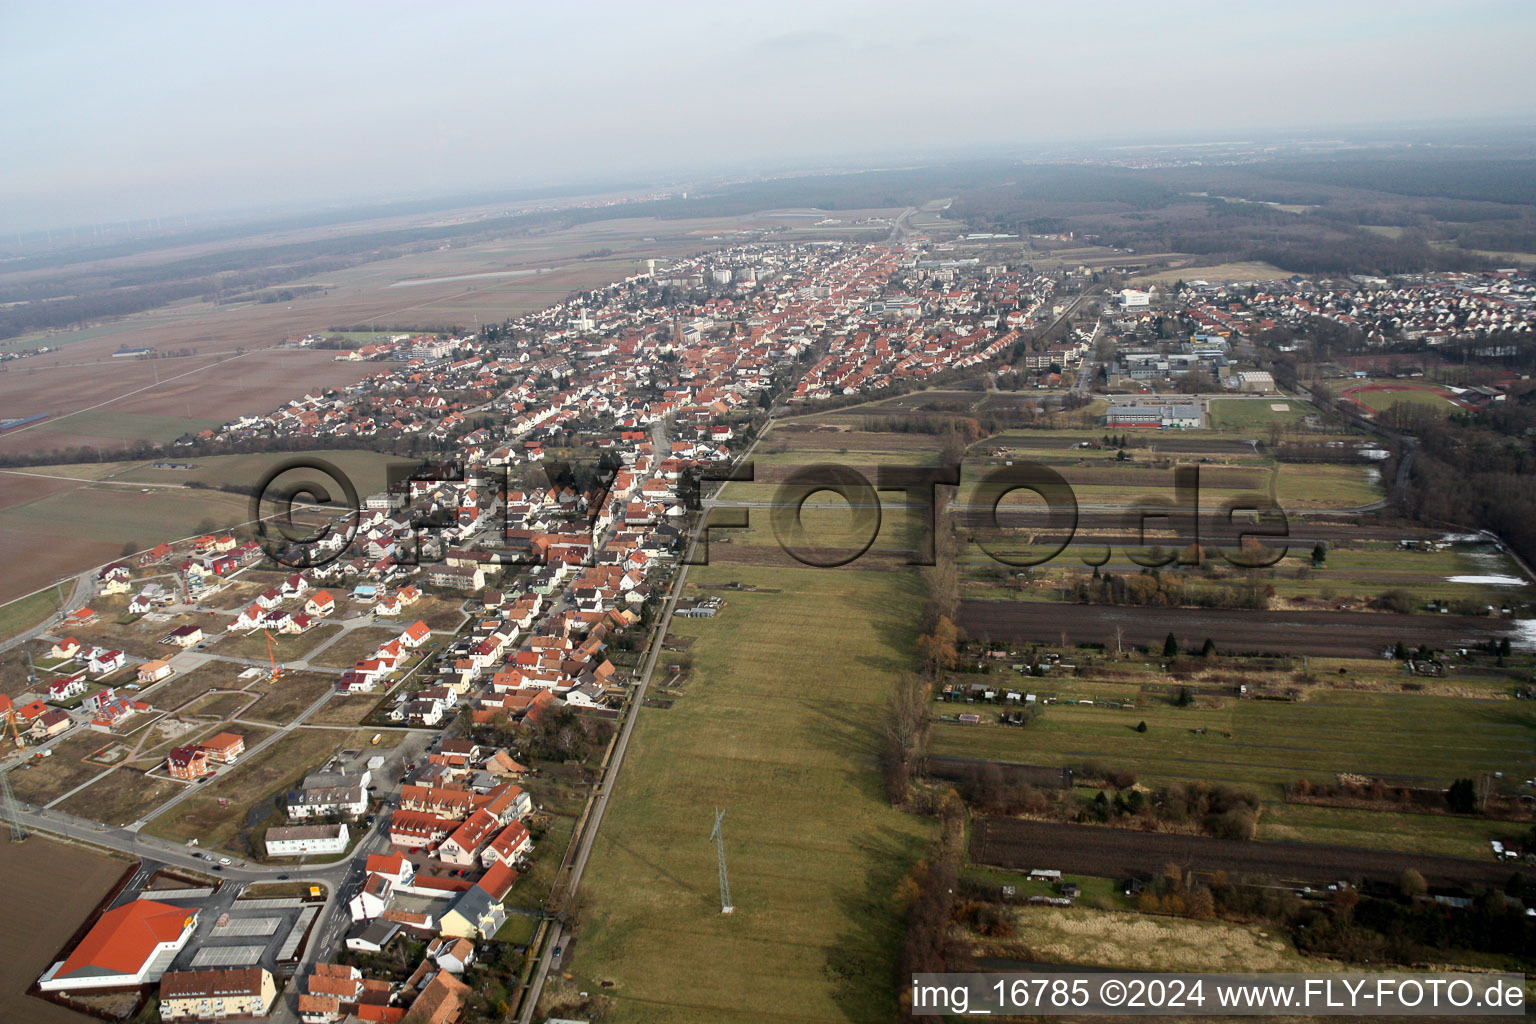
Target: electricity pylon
718, 838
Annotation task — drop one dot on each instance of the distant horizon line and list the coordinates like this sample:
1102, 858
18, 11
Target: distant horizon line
396, 202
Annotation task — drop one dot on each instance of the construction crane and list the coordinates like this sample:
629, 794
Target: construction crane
10, 720
277, 670
718, 838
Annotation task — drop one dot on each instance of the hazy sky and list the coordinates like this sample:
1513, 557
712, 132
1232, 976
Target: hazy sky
118, 110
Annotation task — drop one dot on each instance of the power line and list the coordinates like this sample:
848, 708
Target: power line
718, 838
13, 810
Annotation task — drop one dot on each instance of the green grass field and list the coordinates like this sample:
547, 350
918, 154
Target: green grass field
778, 725
125, 426
1257, 413
1424, 575
1406, 394
1318, 485
119, 514
26, 612
1412, 739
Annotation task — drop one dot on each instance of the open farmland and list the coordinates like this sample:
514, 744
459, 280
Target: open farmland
1340, 634
94, 400
238, 370
1122, 853
1253, 270
1404, 739
51, 912
75, 526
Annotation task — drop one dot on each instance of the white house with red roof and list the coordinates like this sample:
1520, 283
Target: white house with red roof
415, 634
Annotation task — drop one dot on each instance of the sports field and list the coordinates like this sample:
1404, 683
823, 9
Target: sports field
1257, 413
1379, 396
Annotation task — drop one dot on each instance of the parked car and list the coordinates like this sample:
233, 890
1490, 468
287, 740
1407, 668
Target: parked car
224, 860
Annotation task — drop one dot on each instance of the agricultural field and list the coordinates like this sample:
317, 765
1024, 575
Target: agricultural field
1142, 942
77, 525
1242, 271
237, 368
96, 401
779, 729
1476, 574
1404, 739
366, 469
23, 613
52, 910
1322, 486
1118, 853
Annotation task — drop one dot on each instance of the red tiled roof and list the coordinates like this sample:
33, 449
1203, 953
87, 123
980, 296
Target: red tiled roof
125, 937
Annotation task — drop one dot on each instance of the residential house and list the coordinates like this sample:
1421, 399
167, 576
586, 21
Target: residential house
512, 844
67, 688
154, 671
225, 747
183, 636
106, 662
50, 724
372, 937
188, 763
464, 844
321, 603
327, 794
478, 912
372, 899
415, 634
441, 1001
451, 954
414, 829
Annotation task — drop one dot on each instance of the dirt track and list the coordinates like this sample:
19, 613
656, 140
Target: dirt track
1121, 853
1324, 634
